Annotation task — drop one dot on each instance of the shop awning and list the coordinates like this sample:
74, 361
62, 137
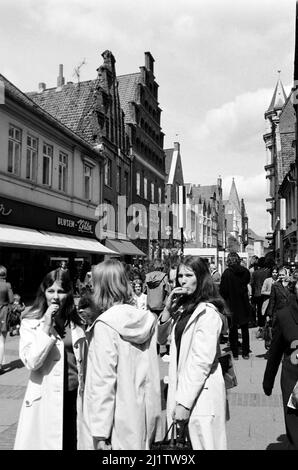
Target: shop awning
30, 238
124, 247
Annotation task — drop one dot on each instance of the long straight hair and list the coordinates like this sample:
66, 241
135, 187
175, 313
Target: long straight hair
40, 305
206, 290
111, 286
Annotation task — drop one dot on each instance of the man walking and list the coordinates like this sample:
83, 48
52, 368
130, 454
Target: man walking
234, 289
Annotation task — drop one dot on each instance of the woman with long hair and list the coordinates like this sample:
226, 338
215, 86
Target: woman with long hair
122, 403
52, 347
195, 315
6, 300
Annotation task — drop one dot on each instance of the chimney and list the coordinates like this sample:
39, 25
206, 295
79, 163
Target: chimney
60, 78
177, 146
41, 87
149, 62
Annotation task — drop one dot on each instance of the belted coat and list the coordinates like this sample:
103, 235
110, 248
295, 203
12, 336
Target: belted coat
40, 425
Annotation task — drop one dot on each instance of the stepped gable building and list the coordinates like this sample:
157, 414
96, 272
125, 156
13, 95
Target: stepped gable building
92, 110
280, 170
205, 201
139, 99
50, 186
174, 175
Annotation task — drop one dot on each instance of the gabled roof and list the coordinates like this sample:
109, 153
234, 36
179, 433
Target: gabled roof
127, 87
173, 165
203, 192
26, 100
278, 99
72, 105
233, 197
168, 159
254, 236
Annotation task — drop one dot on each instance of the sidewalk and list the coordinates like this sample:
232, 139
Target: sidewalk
256, 421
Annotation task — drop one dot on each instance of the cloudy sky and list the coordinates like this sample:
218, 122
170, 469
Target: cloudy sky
216, 64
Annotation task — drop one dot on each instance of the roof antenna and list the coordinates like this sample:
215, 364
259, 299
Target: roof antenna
77, 69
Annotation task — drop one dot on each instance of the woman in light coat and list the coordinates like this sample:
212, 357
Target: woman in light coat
52, 347
196, 391
122, 401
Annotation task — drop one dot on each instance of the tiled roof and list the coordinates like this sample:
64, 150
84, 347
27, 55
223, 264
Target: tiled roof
253, 235
72, 105
203, 192
127, 87
168, 159
29, 101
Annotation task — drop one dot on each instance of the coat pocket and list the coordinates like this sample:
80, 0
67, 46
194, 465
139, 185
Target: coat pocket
204, 404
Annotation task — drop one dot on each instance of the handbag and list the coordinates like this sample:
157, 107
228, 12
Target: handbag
228, 371
179, 439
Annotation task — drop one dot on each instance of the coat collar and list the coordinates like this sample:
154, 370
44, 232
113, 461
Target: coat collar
198, 311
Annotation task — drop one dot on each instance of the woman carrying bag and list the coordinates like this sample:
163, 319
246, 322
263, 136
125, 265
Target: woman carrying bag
197, 392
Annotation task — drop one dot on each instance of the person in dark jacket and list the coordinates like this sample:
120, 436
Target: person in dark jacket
157, 289
234, 289
257, 279
279, 295
284, 346
6, 299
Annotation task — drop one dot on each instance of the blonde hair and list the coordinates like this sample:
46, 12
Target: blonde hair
111, 286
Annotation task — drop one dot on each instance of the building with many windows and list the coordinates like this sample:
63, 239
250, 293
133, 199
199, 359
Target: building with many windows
92, 109
281, 174
139, 100
51, 185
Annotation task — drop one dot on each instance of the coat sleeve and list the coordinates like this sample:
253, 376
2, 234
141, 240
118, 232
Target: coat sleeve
163, 330
35, 344
9, 293
223, 286
102, 380
200, 358
272, 302
266, 287
276, 351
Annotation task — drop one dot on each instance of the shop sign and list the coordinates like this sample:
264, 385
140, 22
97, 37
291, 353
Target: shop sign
81, 225
26, 215
5, 211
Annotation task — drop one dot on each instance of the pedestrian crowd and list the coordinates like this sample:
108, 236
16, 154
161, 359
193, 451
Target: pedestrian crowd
94, 369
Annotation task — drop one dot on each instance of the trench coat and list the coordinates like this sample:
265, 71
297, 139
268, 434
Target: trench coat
234, 289
283, 349
122, 400
197, 381
40, 425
